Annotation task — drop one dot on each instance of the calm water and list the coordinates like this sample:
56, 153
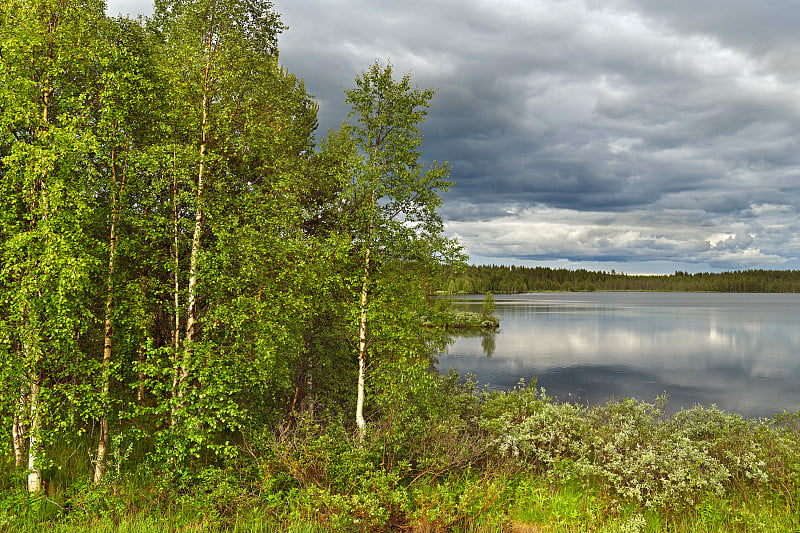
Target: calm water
738, 351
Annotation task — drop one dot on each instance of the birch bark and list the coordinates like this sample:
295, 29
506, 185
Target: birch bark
18, 427
34, 471
194, 258
362, 329
108, 329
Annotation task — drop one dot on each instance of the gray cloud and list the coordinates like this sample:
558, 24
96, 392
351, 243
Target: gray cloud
645, 134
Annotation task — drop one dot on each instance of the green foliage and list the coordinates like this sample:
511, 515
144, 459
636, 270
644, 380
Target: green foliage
461, 320
537, 501
324, 476
488, 304
185, 135
394, 197
315, 475
457, 503
441, 314
526, 425
425, 421
648, 462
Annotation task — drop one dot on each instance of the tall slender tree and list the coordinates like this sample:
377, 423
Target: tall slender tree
124, 126
209, 46
251, 126
48, 54
395, 195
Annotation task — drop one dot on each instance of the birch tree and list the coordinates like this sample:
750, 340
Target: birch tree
209, 44
251, 126
125, 125
48, 51
395, 195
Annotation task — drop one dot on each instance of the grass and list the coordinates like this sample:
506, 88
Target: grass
464, 462
538, 505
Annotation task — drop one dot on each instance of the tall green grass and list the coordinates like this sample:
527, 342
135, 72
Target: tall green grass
469, 462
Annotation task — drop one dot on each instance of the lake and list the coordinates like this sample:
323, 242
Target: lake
738, 351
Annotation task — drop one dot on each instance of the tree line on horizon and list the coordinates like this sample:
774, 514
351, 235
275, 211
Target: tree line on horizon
184, 265
518, 279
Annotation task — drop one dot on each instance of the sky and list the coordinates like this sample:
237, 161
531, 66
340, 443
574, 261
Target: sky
645, 136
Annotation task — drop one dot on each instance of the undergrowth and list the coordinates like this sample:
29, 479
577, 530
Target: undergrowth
447, 458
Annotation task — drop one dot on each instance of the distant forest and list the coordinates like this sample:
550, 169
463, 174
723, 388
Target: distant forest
515, 279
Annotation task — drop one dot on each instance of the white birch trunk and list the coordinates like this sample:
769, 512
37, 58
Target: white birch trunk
191, 304
18, 428
102, 444
17, 436
362, 330
35, 415
34, 472
102, 441
194, 259
362, 353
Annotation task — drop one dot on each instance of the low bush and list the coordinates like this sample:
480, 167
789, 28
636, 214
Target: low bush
450, 319
527, 425
439, 456
638, 453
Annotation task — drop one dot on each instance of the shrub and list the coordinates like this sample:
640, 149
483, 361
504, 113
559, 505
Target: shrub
424, 421
632, 447
639, 455
728, 438
461, 320
547, 437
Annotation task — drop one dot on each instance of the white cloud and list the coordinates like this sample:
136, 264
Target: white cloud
623, 144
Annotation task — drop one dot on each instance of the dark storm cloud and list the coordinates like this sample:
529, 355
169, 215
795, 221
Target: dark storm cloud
764, 28
584, 132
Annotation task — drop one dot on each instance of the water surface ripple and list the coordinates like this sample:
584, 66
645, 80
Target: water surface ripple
738, 351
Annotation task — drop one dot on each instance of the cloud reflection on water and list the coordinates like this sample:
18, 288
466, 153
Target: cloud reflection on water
738, 351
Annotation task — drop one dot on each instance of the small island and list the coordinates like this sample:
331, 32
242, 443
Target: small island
444, 317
